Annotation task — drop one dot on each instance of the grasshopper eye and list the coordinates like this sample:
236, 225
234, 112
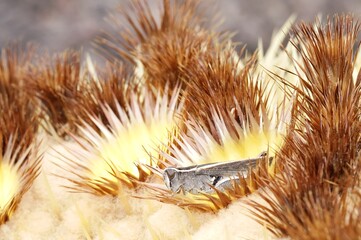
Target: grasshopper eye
171, 173
169, 176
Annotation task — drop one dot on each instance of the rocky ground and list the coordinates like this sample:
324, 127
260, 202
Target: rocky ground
60, 24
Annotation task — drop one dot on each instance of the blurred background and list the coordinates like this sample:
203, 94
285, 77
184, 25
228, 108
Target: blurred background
60, 24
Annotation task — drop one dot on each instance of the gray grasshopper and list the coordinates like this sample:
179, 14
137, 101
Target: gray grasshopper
199, 178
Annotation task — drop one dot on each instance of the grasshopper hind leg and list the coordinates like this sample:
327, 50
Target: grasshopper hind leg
225, 183
216, 180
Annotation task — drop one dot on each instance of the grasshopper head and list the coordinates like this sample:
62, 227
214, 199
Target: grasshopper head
171, 179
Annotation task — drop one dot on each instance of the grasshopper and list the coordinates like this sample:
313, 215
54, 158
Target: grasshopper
204, 178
